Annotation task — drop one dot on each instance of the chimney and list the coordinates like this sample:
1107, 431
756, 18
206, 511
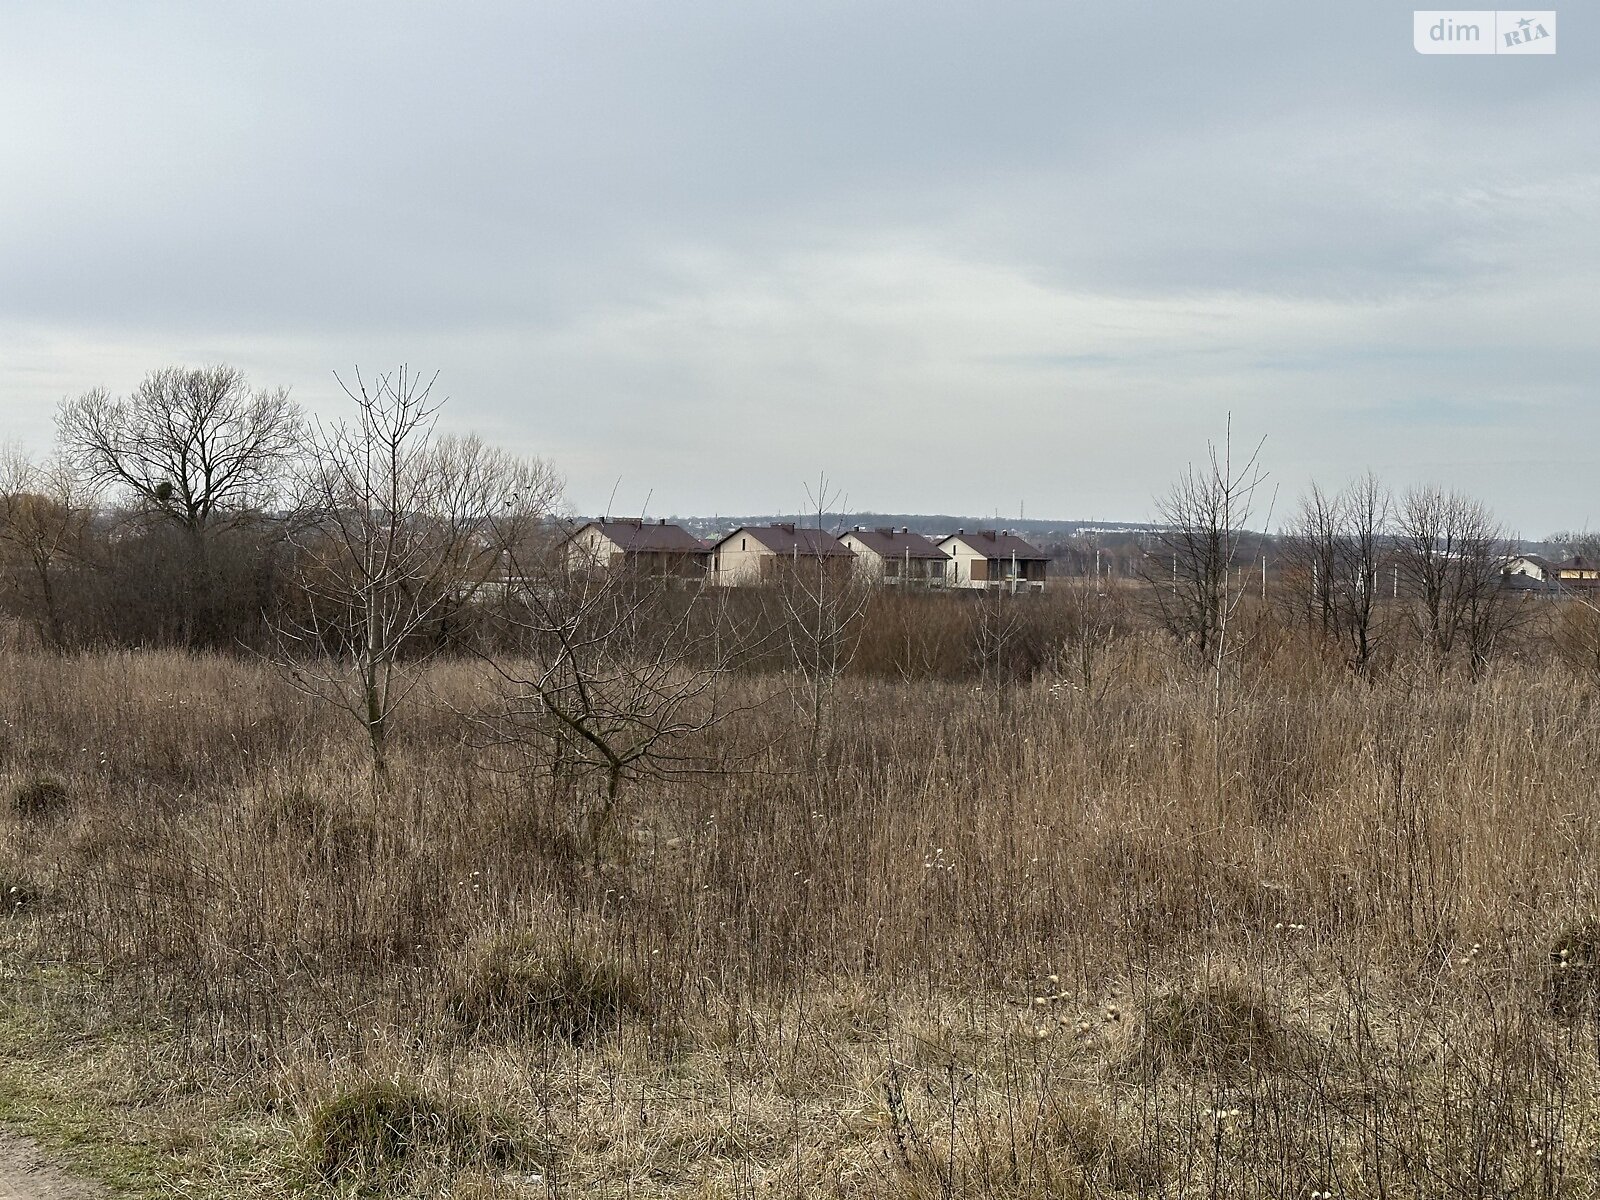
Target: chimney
960, 532
905, 529
663, 521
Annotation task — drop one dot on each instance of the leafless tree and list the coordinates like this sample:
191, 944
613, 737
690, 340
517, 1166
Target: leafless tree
45, 514
1310, 551
397, 526
1196, 572
1334, 551
1451, 554
997, 626
610, 676
1096, 621
195, 448
1368, 515
193, 445
823, 600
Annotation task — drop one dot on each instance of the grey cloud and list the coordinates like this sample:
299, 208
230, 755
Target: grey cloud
633, 234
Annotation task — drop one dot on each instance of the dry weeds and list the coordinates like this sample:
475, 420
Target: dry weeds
1335, 940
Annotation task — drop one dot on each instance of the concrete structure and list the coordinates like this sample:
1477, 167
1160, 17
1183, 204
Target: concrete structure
754, 554
987, 559
636, 545
897, 557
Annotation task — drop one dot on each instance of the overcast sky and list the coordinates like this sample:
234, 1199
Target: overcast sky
962, 256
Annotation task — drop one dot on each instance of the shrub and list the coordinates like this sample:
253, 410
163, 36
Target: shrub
17, 896
1572, 979
374, 1128
1087, 1136
323, 833
1221, 1027
41, 797
511, 988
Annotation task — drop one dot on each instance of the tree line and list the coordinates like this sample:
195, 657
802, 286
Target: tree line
1370, 570
201, 512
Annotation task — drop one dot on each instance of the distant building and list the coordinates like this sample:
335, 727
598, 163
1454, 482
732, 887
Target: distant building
1529, 566
636, 545
1576, 570
897, 556
1531, 573
990, 559
754, 554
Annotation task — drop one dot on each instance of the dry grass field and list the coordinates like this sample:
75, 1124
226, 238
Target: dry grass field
1077, 935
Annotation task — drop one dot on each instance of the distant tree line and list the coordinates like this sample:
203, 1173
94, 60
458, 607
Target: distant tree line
204, 513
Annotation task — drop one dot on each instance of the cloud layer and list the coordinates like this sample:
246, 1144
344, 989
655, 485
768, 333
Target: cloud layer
963, 257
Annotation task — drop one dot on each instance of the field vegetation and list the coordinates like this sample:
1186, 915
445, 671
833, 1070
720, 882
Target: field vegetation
1072, 933
354, 847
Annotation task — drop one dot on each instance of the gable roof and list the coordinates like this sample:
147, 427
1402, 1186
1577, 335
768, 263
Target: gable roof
791, 539
992, 544
896, 543
636, 536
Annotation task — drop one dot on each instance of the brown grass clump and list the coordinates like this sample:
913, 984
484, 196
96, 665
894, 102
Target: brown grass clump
1572, 979
40, 798
512, 987
1072, 1151
17, 895
1221, 1027
373, 1131
1080, 1129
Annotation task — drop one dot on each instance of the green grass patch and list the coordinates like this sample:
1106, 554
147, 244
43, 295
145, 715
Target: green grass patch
75, 1089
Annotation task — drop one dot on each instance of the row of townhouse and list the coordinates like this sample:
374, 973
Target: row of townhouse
755, 554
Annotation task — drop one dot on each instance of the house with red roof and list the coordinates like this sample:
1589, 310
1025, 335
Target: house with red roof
991, 559
754, 554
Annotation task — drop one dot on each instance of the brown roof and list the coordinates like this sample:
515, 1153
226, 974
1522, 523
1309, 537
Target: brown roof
992, 544
639, 536
792, 539
897, 543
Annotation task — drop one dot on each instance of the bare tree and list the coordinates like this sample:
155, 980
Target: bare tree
1451, 554
1334, 551
823, 599
1310, 550
195, 448
610, 676
1196, 572
397, 527
997, 626
45, 516
1096, 622
1368, 511
191, 445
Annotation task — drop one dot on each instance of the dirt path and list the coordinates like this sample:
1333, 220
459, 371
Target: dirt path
26, 1175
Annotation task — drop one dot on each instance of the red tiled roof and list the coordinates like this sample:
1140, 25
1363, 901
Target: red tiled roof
896, 543
639, 536
792, 539
992, 544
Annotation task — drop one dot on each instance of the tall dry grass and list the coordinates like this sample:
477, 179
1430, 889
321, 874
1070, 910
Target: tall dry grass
1339, 936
